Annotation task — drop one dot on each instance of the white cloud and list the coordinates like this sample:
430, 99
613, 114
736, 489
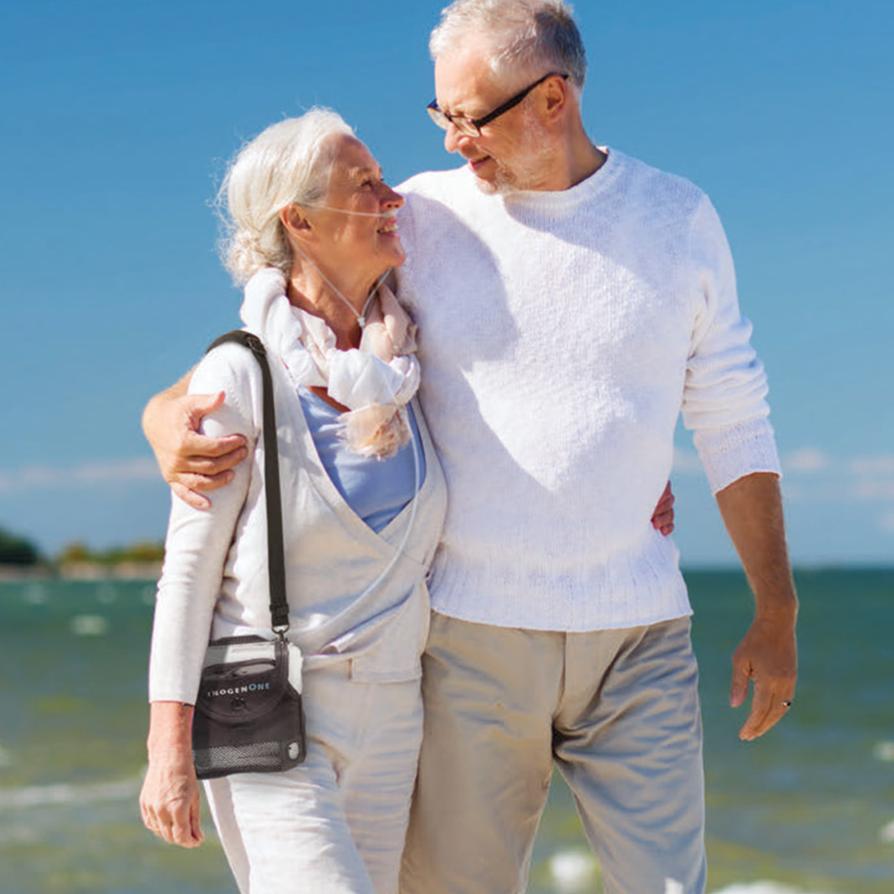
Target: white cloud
860, 479
112, 471
795, 493
872, 477
873, 489
686, 462
875, 465
805, 460
812, 475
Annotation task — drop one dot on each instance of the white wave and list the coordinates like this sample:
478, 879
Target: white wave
763, 887
18, 835
883, 751
106, 594
66, 793
89, 625
36, 594
572, 871
886, 833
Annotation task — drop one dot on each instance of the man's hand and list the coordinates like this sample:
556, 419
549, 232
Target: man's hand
663, 516
189, 461
768, 655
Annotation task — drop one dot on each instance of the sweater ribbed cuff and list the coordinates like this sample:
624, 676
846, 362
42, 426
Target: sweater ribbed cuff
171, 692
728, 454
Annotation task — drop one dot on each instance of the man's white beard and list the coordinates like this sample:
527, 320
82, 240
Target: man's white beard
528, 173
487, 187
504, 182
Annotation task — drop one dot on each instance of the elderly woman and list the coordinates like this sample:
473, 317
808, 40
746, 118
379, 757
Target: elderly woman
312, 235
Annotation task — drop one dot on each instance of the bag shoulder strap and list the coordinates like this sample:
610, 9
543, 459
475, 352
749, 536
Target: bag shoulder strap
276, 568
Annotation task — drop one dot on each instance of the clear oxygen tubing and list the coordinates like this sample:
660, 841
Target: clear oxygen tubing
386, 215
399, 552
415, 502
361, 319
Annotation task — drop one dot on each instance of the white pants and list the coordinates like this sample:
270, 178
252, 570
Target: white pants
335, 824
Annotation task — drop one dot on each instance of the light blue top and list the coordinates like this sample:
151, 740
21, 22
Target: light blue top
376, 489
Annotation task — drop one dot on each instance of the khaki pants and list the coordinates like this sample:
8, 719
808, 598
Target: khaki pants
336, 823
616, 710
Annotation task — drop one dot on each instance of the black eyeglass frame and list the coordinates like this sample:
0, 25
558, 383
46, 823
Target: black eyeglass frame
473, 125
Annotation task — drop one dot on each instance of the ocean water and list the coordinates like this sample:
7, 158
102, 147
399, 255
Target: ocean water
809, 809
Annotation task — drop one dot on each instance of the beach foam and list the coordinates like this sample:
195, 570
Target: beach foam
35, 594
572, 871
884, 751
106, 594
886, 833
66, 793
89, 625
18, 835
763, 887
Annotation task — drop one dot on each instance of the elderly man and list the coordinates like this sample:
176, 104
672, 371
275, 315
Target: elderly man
572, 301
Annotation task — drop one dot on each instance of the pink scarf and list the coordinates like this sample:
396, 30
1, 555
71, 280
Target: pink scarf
375, 381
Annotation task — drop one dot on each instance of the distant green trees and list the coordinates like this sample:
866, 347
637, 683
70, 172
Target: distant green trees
144, 551
21, 552
17, 550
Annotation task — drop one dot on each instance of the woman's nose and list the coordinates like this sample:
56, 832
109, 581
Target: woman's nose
392, 200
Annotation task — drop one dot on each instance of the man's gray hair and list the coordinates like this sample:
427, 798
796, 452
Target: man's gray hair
524, 33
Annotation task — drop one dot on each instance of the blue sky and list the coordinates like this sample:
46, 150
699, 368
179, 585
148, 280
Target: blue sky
118, 118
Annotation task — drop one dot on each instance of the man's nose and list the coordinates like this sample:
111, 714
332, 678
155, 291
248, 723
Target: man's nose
455, 139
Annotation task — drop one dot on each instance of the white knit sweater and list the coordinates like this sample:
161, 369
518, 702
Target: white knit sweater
561, 335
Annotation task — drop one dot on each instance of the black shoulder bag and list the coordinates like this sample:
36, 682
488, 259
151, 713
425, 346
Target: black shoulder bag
248, 716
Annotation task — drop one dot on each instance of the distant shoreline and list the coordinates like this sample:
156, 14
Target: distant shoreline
125, 571
86, 571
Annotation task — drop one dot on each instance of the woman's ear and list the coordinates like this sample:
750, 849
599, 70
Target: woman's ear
294, 222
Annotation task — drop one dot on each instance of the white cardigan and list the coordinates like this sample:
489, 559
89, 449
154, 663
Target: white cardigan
214, 581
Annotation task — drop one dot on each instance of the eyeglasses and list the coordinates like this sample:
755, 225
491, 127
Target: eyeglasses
471, 127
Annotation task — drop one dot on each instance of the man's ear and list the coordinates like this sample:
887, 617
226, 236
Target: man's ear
555, 98
293, 220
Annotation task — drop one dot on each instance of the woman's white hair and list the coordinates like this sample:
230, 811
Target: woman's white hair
288, 162
525, 34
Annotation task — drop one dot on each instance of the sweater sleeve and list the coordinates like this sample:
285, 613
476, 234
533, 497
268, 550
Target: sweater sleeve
724, 396
198, 542
407, 229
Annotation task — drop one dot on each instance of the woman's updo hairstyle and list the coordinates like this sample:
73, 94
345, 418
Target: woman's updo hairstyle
288, 162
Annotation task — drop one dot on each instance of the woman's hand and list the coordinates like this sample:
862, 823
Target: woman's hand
663, 516
169, 801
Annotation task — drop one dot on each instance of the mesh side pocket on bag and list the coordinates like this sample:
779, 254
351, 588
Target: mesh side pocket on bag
258, 757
